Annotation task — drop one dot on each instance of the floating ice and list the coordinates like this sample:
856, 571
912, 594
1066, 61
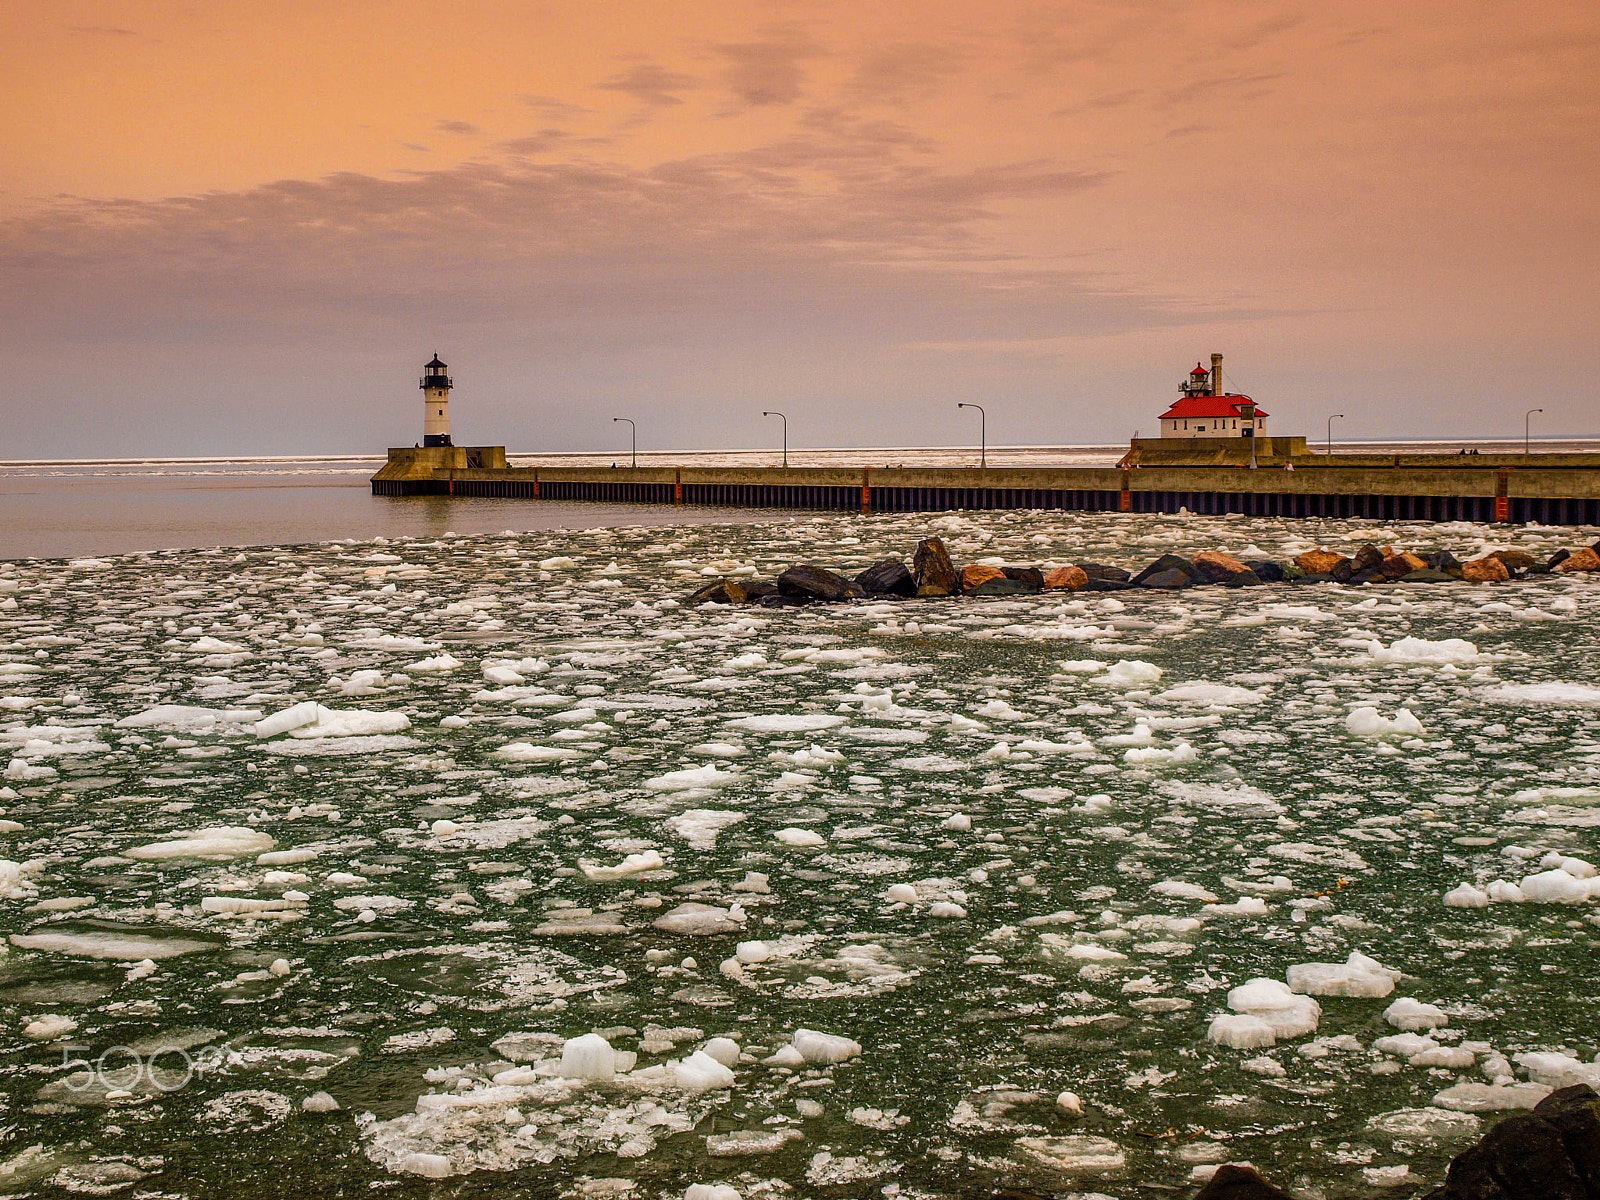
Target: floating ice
789, 723
1130, 673
633, 864
1413, 1015
1357, 976
223, 842
1564, 694
1289, 1014
799, 837
701, 1073
824, 1047
588, 1057
1367, 721
1420, 650
691, 779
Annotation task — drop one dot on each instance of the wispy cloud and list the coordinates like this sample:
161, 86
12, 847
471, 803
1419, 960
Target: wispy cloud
651, 84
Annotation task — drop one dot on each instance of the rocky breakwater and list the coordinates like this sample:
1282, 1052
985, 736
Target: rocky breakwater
932, 574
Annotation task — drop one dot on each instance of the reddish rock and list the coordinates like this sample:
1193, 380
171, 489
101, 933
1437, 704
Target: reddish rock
1213, 566
976, 576
1069, 578
1515, 560
1397, 565
1579, 560
1484, 570
1318, 562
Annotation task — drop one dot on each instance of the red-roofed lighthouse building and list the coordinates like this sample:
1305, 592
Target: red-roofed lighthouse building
1204, 410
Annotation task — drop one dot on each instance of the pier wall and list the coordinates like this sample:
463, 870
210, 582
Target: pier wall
1561, 492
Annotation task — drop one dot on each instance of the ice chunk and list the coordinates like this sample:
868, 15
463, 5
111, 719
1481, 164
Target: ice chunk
699, 919
588, 1057
824, 1047
710, 1191
1404, 1045
293, 717
691, 778
1289, 1014
701, 1073
1554, 887
902, 893
1130, 673
1241, 1032
1074, 1154
789, 723
1558, 1070
49, 1027
1412, 1015
1491, 1097
724, 1050
633, 864
1369, 722
799, 837
182, 716
700, 826
1466, 896
1357, 976
429, 1166
319, 1102
220, 842
1420, 650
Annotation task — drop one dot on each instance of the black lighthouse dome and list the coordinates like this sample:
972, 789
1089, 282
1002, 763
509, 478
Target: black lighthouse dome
435, 374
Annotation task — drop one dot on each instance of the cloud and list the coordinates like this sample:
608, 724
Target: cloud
651, 84
905, 71
463, 127
768, 71
104, 30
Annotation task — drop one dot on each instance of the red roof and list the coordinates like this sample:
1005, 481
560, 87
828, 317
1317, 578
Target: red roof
1205, 408
1199, 370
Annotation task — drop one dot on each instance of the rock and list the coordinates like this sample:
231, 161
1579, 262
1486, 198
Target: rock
1167, 562
814, 583
778, 600
1443, 560
711, 593
1213, 566
1003, 587
1368, 557
1103, 571
1585, 559
1426, 575
1369, 575
1318, 577
1515, 560
934, 573
891, 577
1317, 562
1169, 580
975, 575
1484, 570
1238, 1183
1266, 570
1556, 559
1397, 566
1343, 570
748, 591
1068, 579
1552, 1153
1031, 576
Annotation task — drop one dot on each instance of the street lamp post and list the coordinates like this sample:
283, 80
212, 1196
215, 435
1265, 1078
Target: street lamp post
1331, 420
635, 430
983, 433
785, 421
1525, 417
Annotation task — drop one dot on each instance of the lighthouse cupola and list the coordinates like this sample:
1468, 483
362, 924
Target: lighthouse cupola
1198, 382
435, 384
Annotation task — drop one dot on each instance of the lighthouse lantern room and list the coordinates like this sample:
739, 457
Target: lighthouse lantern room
435, 384
1204, 410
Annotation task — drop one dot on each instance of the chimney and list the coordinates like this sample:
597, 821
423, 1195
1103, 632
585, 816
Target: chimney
1216, 374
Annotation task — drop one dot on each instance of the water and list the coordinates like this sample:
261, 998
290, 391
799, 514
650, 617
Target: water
540, 712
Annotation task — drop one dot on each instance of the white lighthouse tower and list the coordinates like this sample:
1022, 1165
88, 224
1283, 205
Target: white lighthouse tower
435, 386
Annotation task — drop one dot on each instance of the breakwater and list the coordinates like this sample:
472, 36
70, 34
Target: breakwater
1522, 489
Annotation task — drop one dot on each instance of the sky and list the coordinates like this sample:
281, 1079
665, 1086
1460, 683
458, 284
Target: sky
243, 228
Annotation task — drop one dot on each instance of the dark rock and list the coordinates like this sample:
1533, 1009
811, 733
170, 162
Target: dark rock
1291, 572
1168, 562
814, 583
1443, 560
891, 577
779, 600
1369, 575
1317, 577
1515, 560
1367, 558
748, 591
1556, 559
1427, 575
1238, 1183
1342, 570
1552, 1153
934, 573
1001, 586
1168, 580
1031, 576
1266, 570
1104, 571
1107, 585
1397, 565
711, 593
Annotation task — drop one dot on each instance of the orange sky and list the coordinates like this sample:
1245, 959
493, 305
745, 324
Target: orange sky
242, 228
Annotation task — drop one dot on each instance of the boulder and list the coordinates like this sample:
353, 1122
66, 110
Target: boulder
1369, 575
1031, 576
1317, 577
1552, 1153
779, 600
891, 577
1397, 566
1266, 570
813, 583
1484, 570
1067, 579
1343, 570
1003, 587
1167, 562
1368, 557
1443, 560
1555, 560
1515, 560
1317, 562
1103, 571
1585, 559
1168, 580
975, 576
1426, 575
1213, 566
711, 593
934, 573
748, 591
1238, 1183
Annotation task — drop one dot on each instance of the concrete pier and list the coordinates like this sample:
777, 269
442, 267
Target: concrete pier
1539, 488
